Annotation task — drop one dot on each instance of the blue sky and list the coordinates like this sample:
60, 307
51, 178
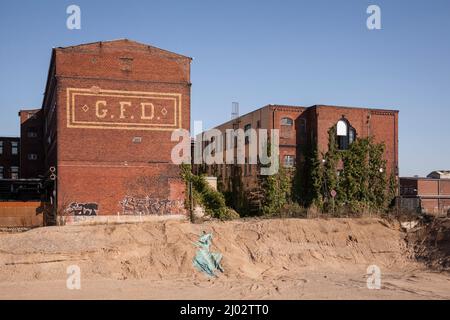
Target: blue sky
260, 52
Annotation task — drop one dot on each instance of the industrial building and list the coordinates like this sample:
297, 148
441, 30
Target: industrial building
99, 148
300, 127
427, 195
100, 144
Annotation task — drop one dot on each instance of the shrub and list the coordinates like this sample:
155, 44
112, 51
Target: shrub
204, 195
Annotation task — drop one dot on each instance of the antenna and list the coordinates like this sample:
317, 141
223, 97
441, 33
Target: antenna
234, 110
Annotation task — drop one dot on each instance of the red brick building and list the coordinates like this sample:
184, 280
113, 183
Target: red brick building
9, 158
302, 126
108, 112
31, 144
425, 195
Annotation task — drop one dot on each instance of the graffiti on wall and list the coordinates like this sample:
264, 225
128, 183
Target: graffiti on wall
151, 206
82, 209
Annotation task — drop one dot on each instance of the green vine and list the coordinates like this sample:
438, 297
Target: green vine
204, 195
358, 175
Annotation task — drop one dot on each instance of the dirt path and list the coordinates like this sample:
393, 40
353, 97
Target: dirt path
263, 259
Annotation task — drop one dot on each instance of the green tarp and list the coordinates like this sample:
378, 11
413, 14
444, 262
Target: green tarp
204, 260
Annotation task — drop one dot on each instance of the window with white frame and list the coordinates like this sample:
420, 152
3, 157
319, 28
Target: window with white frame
1, 147
2, 175
346, 134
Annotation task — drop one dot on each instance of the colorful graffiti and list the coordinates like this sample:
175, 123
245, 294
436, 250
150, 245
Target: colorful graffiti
150, 206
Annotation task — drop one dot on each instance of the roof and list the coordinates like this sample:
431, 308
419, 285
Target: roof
439, 174
29, 110
345, 107
128, 41
303, 108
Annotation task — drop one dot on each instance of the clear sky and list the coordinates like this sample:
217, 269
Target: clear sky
260, 52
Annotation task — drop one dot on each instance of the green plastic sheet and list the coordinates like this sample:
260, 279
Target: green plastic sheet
204, 260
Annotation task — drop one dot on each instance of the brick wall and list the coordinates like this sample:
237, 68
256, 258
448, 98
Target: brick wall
382, 125
116, 106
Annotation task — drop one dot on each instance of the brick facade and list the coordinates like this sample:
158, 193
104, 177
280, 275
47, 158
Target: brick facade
425, 195
108, 110
302, 126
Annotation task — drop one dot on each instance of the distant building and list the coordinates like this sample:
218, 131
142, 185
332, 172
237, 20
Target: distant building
31, 144
9, 158
439, 174
430, 195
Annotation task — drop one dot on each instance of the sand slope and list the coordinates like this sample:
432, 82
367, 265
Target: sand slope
279, 258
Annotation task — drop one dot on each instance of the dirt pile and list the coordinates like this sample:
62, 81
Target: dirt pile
252, 249
431, 242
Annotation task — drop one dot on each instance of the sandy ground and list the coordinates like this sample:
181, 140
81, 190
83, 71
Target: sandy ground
263, 259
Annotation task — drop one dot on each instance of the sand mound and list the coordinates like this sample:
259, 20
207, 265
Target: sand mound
252, 249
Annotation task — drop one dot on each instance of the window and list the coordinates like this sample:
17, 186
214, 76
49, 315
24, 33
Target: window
258, 124
1, 147
14, 147
32, 156
287, 122
286, 128
14, 172
32, 133
247, 127
351, 135
346, 134
2, 175
289, 161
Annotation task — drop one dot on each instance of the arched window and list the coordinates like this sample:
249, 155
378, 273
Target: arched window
247, 127
286, 131
287, 122
345, 133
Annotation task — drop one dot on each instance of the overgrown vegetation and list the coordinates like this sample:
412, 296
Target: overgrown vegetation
356, 175
277, 191
204, 195
335, 183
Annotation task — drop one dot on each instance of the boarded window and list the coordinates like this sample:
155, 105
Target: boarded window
286, 128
